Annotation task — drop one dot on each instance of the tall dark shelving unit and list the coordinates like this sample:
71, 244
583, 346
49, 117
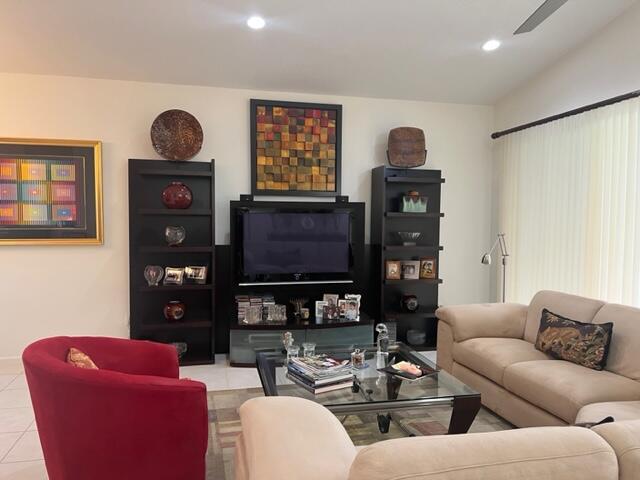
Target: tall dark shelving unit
388, 185
148, 218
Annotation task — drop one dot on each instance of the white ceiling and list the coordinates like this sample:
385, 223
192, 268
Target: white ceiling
413, 49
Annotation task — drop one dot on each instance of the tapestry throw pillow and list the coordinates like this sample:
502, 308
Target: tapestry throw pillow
80, 359
586, 344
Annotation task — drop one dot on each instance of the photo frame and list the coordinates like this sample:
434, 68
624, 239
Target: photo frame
410, 270
196, 274
428, 268
330, 312
173, 276
331, 298
51, 192
352, 307
320, 309
295, 148
393, 270
342, 307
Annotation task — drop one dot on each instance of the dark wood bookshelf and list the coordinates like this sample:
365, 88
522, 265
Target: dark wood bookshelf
175, 212
422, 312
413, 215
178, 250
402, 179
175, 288
177, 325
406, 248
148, 218
433, 281
388, 185
172, 172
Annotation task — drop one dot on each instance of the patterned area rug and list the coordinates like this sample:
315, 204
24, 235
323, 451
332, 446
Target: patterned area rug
363, 428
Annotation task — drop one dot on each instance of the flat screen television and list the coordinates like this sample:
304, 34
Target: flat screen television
303, 245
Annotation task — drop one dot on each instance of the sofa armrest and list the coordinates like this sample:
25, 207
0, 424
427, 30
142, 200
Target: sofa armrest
624, 438
526, 454
484, 320
288, 437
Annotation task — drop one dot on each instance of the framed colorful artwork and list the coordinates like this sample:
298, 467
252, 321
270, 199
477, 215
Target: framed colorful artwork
295, 148
50, 192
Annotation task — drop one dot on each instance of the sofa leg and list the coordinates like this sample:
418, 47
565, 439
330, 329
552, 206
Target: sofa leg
464, 413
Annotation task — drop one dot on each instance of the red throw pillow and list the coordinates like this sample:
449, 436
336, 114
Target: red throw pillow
80, 359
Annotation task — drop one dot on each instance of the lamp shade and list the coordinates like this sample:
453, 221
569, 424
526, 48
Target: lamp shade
486, 259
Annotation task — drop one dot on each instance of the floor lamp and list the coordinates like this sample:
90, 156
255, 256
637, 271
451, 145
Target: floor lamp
486, 260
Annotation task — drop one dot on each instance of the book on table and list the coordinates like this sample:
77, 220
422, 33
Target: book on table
320, 373
329, 387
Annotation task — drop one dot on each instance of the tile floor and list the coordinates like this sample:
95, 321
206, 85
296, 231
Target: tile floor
20, 451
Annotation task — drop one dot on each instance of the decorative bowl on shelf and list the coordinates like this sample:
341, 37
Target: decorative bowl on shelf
176, 135
409, 303
416, 337
409, 239
177, 195
174, 311
413, 202
174, 235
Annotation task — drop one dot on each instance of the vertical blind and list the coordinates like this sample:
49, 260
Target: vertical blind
569, 202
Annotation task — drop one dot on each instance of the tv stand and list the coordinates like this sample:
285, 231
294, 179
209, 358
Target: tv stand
245, 339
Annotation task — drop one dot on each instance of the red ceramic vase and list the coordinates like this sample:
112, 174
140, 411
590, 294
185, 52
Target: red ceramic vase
174, 311
177, 195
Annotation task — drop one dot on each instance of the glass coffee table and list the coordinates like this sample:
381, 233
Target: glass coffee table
378, 392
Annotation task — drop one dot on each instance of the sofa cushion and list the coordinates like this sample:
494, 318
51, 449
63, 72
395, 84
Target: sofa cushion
624, 354
571, 306
585, 344
558, 453
624, 437
620, 411
563, 388
490, 356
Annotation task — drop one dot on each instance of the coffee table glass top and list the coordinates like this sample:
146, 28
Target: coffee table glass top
372, 386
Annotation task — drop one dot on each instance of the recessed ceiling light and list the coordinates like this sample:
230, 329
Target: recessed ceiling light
491, 45
256, 23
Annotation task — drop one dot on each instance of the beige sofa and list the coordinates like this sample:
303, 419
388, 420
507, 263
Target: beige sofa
490, 347
287, 438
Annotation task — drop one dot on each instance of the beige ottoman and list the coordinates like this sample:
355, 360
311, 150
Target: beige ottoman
620, 411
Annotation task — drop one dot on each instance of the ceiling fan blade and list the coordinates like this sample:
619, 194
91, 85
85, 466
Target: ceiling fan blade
543, 12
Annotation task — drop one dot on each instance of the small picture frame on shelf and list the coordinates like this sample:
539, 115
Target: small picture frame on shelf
330, 312
393, 270
352, 307
330, 298
410, 270
196, 274
428, 268
342, 306
320, 309
173, 276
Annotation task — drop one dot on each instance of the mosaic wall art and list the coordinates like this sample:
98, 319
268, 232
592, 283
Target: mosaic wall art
50, 192
295, 148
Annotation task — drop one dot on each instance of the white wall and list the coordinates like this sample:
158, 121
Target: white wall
84, 290
605, 66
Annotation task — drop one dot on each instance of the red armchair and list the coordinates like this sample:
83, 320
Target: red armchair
132, 419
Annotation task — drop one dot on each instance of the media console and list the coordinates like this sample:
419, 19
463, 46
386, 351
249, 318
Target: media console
297, 250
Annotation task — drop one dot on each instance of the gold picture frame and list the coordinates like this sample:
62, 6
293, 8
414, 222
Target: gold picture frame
52, 192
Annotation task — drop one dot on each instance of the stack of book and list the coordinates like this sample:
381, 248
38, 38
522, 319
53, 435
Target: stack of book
242, 301
320, 374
